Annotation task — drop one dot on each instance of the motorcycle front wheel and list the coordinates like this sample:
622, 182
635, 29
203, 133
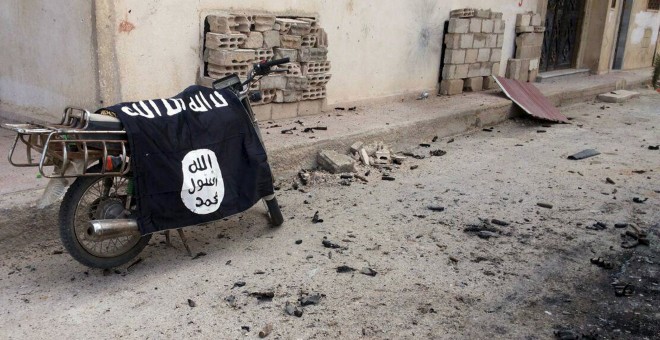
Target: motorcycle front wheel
92, 198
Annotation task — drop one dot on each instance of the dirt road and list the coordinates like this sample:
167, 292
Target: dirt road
524, 280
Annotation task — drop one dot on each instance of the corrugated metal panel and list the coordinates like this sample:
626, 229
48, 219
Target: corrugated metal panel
530, 99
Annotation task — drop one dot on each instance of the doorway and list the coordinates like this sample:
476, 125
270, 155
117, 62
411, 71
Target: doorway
560, 42
619, 52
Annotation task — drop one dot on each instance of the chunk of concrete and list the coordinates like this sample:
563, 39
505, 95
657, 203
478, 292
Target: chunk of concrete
334, 162
451, 86
355, 148
254, 40
271, 39
618, 96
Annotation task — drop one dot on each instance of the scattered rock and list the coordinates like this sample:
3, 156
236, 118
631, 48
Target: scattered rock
292, 309
620, 225
654, 147
425, 145
263, 296
597, 226
345, 269
436, 208
192, 303
57, 252
499, 222
231, 301
245, 328
438, 153
298, 241
387, 178
238, 284
313, 299
584, 154
368, 271
639, 200
413, 167
544, 205
316, 219
609, 181
485, 234
198, 255
328, 244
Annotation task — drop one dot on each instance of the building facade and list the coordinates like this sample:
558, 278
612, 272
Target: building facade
96, 53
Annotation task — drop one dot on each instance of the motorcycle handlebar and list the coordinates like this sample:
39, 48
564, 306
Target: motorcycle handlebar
275, 62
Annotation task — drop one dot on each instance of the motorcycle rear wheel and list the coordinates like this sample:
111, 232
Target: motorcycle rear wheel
90, 198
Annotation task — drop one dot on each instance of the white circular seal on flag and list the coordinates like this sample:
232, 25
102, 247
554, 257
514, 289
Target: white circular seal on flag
203, 188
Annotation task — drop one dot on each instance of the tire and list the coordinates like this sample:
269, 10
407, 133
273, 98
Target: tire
77, 210
276, 218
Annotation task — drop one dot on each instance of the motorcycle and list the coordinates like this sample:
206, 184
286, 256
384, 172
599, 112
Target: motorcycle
91, 152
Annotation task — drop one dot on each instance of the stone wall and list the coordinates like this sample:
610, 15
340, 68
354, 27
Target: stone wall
473, 50
234, 42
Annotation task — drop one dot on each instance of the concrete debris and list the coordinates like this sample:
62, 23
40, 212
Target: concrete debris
293, 310
264, 332
438, 153
328, 244
316, 219
584, 154
192, 303
263, 296
345, 269
544, 205
618, 96
368, 271
436, 208
313, 299
334, 162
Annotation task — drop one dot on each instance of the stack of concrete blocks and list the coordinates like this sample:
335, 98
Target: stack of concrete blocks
529, 41
473, 50
234, 42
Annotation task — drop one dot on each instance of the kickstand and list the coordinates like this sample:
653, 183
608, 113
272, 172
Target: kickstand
185, 241
168, 241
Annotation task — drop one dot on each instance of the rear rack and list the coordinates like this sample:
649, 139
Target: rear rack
70, 142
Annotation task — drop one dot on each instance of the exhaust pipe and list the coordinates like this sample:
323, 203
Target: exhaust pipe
101, 230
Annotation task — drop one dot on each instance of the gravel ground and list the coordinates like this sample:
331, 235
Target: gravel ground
531, 278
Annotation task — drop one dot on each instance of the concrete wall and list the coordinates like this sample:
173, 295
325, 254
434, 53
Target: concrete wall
377, 48
48, 59
642, 36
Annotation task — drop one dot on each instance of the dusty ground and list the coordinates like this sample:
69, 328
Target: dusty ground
433, 279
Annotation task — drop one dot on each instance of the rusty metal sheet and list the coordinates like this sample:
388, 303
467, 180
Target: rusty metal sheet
530, 99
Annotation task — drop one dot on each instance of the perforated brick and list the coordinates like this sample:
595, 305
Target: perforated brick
308, 54
308, 41
290, 53
267, 97
224, 24
262, 23
230, 57
462, 13
291, 41
313, 93
264, 54
292, 69
218, 71
318, 80
242, 23
314, 26
315, 67
217, 41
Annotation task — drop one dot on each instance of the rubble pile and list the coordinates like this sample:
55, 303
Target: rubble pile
529, 39
473, 50
233, 42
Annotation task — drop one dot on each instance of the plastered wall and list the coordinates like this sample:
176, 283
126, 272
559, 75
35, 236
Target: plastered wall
642, 36
47, 59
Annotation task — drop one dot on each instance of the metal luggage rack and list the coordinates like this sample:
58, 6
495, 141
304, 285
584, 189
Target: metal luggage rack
67, 142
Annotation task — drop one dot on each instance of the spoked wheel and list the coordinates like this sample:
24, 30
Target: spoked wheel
97, 198
274, 212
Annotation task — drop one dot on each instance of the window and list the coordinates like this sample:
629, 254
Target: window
653, 5
613, 4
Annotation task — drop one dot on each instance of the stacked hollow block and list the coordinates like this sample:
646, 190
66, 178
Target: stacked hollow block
529, 41
234, 42
473, 49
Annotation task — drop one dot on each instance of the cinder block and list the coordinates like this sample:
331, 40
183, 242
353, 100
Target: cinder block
462, 71
536, 20
489, 83
253, 40
485, 69
271, 39
313, 93
484, 54
479, 40
290, 53
539, 29
309, 40
495, 69
534, 64
242, 23
462, 13
315, 67
529, 39
496, 55
299, 27
230, 57
321, 38
500, 40
528, 52
273, 82
219, 71
311, 107
263, 23
219, 41
491, 40
264, 54
262, 112
474, 70
221, 23
532, 75
292, 69
513, 68
449, 72
524, 29
474, 84
291, 41
458, 25
334, 162
453, 40
466, 40
496, 15
451, 86
523, 19
297, 83
482, 13
287, 96
318, 80
524, 70
487, 26
284, 110
309, 54
471, 56
284, 25
454, 56
475, 25
498, 26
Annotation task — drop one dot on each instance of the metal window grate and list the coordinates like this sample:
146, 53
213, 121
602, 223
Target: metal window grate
653, 5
